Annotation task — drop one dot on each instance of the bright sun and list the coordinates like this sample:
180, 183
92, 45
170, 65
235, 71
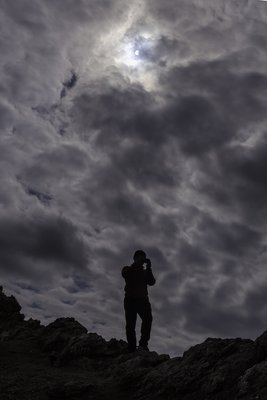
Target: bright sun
135, 55
129, 55
134, 51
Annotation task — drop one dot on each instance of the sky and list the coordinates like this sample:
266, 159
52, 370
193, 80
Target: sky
136, 125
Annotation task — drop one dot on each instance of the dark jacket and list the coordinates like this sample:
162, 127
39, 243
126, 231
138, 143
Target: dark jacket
137, 278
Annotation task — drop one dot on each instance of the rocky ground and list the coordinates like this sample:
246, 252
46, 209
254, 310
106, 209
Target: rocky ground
63, 361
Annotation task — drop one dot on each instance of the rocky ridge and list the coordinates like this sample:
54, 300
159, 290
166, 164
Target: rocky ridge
64, 361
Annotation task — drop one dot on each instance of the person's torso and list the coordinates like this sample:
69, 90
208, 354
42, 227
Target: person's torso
136, 285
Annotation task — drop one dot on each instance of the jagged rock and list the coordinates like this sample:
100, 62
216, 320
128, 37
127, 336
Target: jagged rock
84, 365
33, 323
12, 322
87, 345
9, 311
58, 334
116, 346
130, 371
216, 364
261, 347
209, 368
253, 384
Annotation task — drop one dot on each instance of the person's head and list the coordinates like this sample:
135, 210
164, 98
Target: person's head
139, 257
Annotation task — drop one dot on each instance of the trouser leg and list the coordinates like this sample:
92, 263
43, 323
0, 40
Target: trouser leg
130, 316
145, 313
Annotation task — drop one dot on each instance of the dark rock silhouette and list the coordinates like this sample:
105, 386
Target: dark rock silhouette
63, 361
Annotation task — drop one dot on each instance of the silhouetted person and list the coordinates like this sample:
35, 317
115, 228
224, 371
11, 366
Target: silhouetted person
136, 299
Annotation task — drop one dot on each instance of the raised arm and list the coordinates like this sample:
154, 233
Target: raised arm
150, 279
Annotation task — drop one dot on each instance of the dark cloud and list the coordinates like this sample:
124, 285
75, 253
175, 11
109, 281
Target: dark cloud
222, 103
126, 209
52, 165
193, 255
196, 124
203, 314
256, 299
117, 114
239, 181
247, 166
146, 166
228, 238
225, 85
24, 242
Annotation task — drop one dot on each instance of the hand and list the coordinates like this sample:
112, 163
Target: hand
148, 263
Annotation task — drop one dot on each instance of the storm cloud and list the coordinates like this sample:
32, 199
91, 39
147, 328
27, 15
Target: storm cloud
127, 126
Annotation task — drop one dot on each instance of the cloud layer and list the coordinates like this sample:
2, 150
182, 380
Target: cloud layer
135, 126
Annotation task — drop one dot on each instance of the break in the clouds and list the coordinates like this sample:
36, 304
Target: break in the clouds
127, 126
